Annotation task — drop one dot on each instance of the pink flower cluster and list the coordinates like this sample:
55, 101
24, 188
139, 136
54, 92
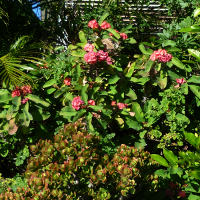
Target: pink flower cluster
161, 55
22, 91
67, 81
92, 57
121, 106
124, 36
94, 25
77, 103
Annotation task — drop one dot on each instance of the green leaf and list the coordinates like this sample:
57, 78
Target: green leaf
49, 83
51, 90
193, 197
162, 82
67, 112
133, 124
128, 71
140, 81
131, 41
178, 63
191, 138
160, 160
194, 53
72, 47
113, 31
131, 94
113, 79
82, 37
26, 117
194, 79
58, 93
144, 51
148, 65
78, 53
169, 43
171, 157
196, 12
138, 112
84, 93
103, 17
16, 103
36, 99
5, 96
195, 89
79, 115
195, 174
173, 75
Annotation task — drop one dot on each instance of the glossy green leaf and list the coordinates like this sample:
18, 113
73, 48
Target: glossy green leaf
113, 79
191, 138
51, 90
138, 112
103, 17
194, 79
131, 41
171, 157
195, 89
129, 70
113, 31
160, 160
131, 94
36, 99
133, 124
144, 50
194, 53
82, 37
78, 53
5, 95
49, 83
84, 95
178, 63
148, 65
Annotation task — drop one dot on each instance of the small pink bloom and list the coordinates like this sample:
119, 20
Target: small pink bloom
67, 81
23, 101
113, 103
182, 194
105, 25
180, 81
121, 105
26, 89
102, 55
124, 36
77, 102
16, 92
93, 24
91, 102
109, 61
153, 57
90, 57
89, 47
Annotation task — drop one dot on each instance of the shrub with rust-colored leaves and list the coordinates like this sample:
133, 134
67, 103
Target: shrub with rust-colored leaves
74, 166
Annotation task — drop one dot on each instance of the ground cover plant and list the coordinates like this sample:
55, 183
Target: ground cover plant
106, 118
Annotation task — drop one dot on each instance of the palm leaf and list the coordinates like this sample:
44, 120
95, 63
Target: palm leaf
12, 64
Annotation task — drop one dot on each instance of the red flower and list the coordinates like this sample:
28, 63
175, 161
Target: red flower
161, 55
121, 105
91, 102
93, 24
16, 92
67, 81
105, 25
77, 102
90, 57
182, 194
23, 101
180, 80
124, 36
89, 47
102, 55
113, 103
26, 89
109, 61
